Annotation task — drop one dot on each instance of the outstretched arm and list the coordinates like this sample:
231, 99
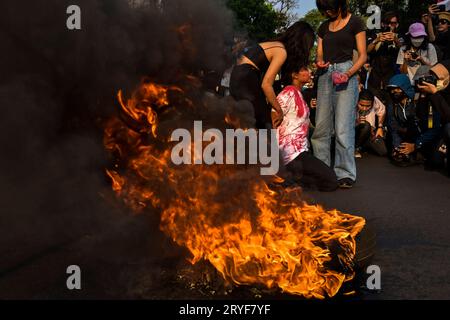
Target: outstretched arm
267, 84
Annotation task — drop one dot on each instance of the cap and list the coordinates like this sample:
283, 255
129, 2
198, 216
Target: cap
417, 30
445, 16
442, 73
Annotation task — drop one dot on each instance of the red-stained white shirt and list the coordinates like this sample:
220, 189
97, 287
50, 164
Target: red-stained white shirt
293, 132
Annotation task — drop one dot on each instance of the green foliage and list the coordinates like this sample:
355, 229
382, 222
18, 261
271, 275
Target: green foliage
257, 17
314, 18
410, 11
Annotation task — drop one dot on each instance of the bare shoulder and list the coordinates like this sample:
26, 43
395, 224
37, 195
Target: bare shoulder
273, 45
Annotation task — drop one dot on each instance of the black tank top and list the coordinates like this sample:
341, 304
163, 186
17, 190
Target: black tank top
258, 56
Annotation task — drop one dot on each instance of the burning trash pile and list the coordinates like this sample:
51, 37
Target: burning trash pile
253, 231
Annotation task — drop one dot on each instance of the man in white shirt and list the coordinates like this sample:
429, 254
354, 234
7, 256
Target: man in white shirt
370, 124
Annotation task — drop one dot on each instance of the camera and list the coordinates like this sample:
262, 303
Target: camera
386, 29
443, 5
428, 79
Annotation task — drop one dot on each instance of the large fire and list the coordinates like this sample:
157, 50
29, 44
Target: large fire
253, 231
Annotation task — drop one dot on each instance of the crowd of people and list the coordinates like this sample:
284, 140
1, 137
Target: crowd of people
369, 91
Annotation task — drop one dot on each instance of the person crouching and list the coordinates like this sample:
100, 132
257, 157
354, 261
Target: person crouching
306, 170
370, 125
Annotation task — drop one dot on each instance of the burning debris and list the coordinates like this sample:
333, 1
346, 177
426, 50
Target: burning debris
250, 229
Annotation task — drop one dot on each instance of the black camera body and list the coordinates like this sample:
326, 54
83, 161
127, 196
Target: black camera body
384, 29
428, 79
414, 55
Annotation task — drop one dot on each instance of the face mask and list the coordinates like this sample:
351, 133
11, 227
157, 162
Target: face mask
397, 97
417, 42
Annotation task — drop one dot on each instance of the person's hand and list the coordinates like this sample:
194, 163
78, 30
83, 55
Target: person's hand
407, 148
420, 59
433, 9
389, 36
379, 133
407, 56
277, 118
380, 38
313, 103
428, 88
322, 64
340, 78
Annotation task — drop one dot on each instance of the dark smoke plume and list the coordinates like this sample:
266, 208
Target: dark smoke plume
56, 88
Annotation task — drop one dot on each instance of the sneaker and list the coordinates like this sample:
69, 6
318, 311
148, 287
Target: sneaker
346, 183
358, 154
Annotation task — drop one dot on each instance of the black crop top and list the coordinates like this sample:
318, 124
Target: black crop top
258, 56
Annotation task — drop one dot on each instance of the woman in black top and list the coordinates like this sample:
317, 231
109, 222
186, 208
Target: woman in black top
253, 77
339, 37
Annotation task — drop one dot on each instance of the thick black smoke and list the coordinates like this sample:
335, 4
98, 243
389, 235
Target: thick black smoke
56, 87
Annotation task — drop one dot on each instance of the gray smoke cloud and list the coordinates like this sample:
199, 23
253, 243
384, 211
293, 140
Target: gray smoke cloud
57, 86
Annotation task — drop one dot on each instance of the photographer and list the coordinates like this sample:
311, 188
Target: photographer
417, 52
369, 124
383, 48
441, 40
439, 95
401, 118
416, 127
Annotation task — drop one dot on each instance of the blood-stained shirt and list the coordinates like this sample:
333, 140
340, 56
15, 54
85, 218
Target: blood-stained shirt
293, 132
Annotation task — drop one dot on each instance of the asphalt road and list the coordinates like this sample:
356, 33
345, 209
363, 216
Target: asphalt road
409, 209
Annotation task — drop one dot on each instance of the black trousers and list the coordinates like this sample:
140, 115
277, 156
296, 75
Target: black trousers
364, 139
312, 173
245, 84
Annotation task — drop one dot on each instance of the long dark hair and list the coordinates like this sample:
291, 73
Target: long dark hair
333, 5
387, 17
298, 40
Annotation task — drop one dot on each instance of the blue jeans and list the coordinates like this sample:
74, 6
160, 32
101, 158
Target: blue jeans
336, 114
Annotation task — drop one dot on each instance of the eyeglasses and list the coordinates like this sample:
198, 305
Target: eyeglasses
443, 21
393, 23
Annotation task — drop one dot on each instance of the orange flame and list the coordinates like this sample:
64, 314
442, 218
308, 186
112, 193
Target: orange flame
250, 233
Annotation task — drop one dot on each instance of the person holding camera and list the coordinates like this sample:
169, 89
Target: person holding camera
441, 40
415, 126
417, 52
369, 124
401, 118
383, 47
439, 95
